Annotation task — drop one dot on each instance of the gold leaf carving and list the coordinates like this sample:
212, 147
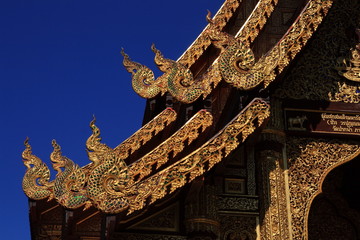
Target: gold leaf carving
313, 74
203, 159
112, 184
69, 185
310, 161
347, 94
350, 68
36, 181
237, 63
203, 41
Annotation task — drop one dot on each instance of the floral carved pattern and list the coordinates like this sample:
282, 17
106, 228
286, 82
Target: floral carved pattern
275, 224
314, 76
310, 160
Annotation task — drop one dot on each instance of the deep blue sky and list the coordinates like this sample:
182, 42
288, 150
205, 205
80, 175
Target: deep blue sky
60, 64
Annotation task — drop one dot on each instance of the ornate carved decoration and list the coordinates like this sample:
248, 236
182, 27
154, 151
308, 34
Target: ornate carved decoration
203, 41
204, 158
114, 187
310, 161
320, 81
249, 31
346, 93
275, 223
350, 68
256, 21
36, 182
237, 63
177, 79
175, 144
237, 203
137, 236
146, 132
238, 227
96, 149
69, 186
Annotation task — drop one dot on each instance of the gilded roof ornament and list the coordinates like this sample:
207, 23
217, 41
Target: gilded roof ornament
346, 93
350, 68
222, 17
36, 182
143, 79
177, 79
201, 160
236, 62
147, 132
112, 184
69, 186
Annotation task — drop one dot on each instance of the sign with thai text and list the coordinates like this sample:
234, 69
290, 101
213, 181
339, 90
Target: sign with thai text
317, 121
342, 122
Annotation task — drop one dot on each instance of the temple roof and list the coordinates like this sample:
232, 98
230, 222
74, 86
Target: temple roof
115, 181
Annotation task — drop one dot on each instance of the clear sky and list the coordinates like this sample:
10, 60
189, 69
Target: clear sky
60, 63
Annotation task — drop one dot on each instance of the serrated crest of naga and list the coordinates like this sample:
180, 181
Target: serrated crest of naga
177, 79
69, 186
36, 182
112, 185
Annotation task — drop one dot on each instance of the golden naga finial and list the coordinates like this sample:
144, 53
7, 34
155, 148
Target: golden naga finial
177, 79
35, 183
142, 78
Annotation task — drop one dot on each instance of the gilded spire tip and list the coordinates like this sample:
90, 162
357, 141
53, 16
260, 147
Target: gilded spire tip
55, 145
123, 53
92, 122
26, 143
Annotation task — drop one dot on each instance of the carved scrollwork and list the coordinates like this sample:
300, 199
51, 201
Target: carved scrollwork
113, 185
347, 93
203, 41
310, 161
237, 203
314, 76
177, 79
237, 63
274, 199
204, 158
146, 132
350, 68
